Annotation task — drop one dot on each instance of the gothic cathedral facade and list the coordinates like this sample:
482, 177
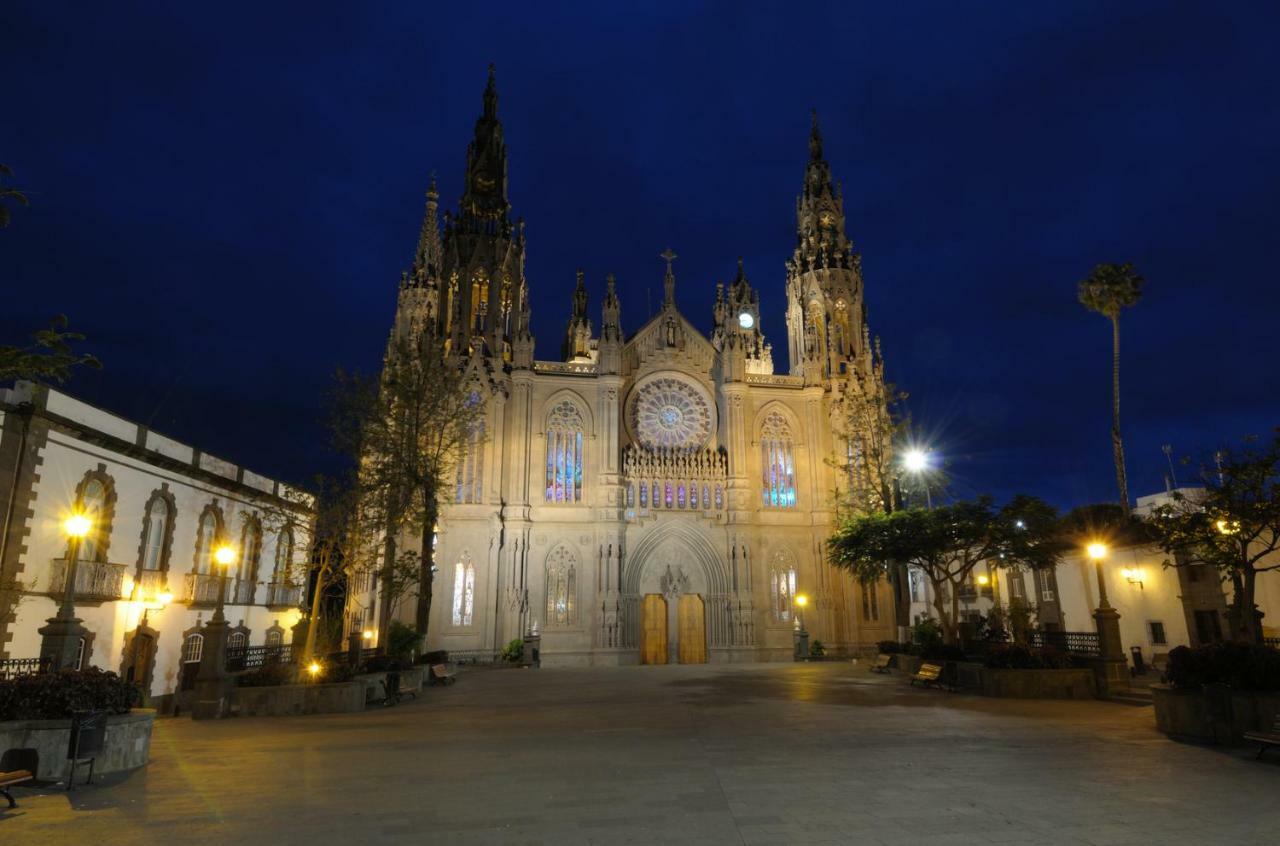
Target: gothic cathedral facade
660, 497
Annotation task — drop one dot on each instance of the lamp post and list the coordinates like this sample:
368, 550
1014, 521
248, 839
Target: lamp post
802, 636
916, 462
1112, 669
60, 639
212, 688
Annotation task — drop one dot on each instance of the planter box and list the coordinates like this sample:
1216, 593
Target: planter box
292, 699
127, 747
1214, 714
1038, 684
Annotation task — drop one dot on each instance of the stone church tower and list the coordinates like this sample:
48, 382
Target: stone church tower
655, 497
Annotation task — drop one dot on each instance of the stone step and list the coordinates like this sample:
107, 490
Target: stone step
1136, 698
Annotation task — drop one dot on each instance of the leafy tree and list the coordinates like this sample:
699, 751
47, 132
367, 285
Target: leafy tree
1110, 289
946, 543
10, 195
412, 432
869, 420
1231, 524
48, 358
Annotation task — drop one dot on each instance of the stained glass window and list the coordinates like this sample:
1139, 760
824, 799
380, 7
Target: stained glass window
464, 591
782, 588
564, 454
777, 453
561, 587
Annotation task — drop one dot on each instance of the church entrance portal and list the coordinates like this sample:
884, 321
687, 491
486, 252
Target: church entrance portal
685, 614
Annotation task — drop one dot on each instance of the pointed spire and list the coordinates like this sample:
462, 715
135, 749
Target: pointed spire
491, 95
580, 296
815, 137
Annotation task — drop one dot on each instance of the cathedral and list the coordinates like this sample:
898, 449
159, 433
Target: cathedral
657, 497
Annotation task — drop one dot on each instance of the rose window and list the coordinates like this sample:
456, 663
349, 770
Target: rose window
672, 414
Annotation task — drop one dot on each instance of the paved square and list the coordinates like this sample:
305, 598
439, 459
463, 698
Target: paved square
783, 753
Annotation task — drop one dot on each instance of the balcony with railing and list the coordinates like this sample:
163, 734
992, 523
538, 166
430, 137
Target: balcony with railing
94, 581
283, 595
242, 593
152, 582
201, 588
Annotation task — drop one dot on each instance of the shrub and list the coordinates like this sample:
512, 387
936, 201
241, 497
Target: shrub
402, 640
891, 647
1015, 657
513, 651
382, 664
941, 652
54, 696
268, 675
1242, 666
927, 633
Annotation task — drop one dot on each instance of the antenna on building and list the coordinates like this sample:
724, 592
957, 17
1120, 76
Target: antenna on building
1172, 479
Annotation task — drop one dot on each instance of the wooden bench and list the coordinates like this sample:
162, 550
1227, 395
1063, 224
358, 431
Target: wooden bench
929, 674
8, 779
392, 694
1265, 738
440, 675
882, 663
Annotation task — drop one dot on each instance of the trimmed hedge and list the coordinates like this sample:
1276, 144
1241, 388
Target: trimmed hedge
1242, 666
55, 696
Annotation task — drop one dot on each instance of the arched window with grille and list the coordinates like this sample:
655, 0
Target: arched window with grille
206, 536
471, 467
155, 541
95, 499
562, 588
193, 649
777, 456
564, 453
464, 591
284, 555
237, 640
275, 637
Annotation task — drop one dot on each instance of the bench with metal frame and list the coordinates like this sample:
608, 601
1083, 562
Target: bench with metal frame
440, 675
1265, 738
882, 663
7, 780
392, 694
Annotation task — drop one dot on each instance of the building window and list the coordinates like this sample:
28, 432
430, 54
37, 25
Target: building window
870, 603
237, 640
562, 589
250, 551
284, 556
564, 454
464, 591
193, 649
777, 452
471, 467
275, 637
782, 591
156, 531
915, 582
206, 536
1017, 586
1157, 633
81, 646
94, 500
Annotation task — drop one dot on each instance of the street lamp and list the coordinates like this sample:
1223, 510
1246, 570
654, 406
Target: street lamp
917, 462
1112, 668
802, 636
1097, 553
224, 556
60, 639
212, 689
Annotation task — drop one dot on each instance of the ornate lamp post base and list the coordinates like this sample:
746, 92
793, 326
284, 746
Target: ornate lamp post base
213, 685
60, 640
1111, 671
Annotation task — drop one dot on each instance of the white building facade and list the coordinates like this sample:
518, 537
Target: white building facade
145, 579
655, 498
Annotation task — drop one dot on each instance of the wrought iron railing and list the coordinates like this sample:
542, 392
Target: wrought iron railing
1273, 642
242, 593
11, 668
201, 588
153, 582
1076, 643
283, 595
94, 580
240, 659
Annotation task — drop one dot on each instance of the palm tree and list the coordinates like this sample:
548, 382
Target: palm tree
1110, 289
8, 194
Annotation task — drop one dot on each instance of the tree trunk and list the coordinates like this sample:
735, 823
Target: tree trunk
1246, 628
388, 567
953, 633
426, 573
313, 627
940, 607
1117, 445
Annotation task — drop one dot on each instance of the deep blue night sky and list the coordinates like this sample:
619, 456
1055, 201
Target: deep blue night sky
223, 199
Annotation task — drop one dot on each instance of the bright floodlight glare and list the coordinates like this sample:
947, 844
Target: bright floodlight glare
1097, 551
915, 460
224, 555
77, 525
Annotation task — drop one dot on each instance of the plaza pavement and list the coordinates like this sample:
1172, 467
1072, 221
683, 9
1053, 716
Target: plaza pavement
785, 753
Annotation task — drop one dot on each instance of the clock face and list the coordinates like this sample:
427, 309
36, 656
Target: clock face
745, 320
826, 220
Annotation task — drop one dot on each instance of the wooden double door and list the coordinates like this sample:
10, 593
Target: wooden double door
691, 629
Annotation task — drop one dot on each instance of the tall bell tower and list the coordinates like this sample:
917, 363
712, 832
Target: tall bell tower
826, 317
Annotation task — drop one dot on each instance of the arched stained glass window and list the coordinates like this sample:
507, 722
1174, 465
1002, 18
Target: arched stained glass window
562, 603
471, 468
157, 527
777, 456
564, 453
464, 591
782, 587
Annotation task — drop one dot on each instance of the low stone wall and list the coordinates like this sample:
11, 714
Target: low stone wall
1038, 684
1215, 714
293, 699
127, 746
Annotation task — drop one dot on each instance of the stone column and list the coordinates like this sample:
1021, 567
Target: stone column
1111, 668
